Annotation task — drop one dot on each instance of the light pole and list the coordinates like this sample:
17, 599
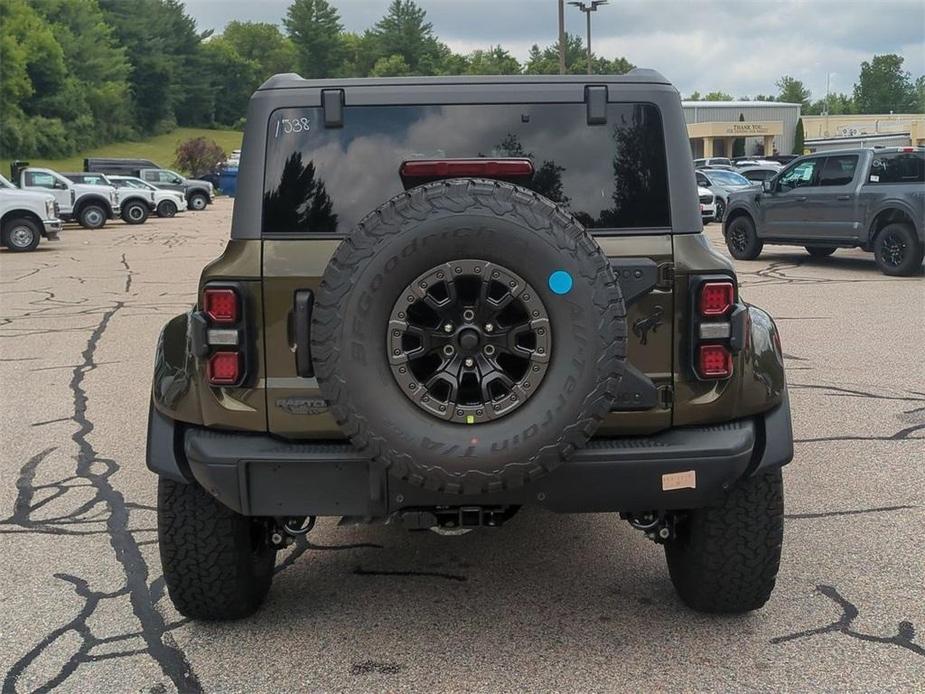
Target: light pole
588, 8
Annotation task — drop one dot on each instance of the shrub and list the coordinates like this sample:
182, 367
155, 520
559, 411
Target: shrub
199, 156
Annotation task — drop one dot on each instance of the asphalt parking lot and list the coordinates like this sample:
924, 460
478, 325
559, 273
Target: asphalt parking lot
568, 603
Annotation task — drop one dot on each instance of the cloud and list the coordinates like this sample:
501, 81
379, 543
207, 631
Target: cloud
737, 46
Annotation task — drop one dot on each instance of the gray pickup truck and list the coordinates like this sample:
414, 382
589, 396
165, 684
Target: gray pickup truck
872, 198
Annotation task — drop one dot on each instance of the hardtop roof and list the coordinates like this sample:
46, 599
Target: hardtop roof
291, 80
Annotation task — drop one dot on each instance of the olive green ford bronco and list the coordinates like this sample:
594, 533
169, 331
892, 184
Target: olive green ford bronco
445, 299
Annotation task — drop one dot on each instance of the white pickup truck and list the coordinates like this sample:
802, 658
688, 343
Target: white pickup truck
89, 205
166, 202
25, 217
136, 204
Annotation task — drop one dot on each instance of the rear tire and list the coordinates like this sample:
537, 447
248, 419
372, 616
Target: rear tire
92, 217
725, 557
166, 208
820, 251
198, 202
134, 212
217, 563
897, 250
742, 239
20, 235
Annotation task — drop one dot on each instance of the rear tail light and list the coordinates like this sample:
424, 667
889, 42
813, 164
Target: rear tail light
218, 333
224, 368
221, 305
718, 326
714, 361
716, 298
432, 169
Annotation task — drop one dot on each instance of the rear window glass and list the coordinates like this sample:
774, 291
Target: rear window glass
324, 180
906, 167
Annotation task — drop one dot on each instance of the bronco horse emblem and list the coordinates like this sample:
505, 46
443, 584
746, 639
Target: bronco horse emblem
651, 322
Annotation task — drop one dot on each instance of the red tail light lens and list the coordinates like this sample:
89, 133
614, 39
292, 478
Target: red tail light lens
221, 305
714, 361
455, 168
716, 298
224, 368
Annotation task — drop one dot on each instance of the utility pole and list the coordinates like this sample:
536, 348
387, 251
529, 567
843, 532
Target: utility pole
588, 8
561, 37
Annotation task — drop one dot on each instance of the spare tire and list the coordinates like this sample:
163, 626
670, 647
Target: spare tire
470, 334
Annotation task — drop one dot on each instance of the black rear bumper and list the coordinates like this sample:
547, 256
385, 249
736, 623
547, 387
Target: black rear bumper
265, 476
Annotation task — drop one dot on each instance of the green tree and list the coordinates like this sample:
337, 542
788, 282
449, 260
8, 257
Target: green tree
94, 99
392, 66
883, 86
838, 104
545, 61
798, 138
315, 29
168, 81
791, 90
695, 96
233, 79
405, 31
717, 96
262, 43
494, 61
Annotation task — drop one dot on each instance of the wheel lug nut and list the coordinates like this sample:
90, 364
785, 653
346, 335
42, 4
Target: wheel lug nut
447, 327
489, 328
470, 362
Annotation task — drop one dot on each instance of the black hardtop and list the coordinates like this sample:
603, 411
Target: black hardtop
291, 80
290, 91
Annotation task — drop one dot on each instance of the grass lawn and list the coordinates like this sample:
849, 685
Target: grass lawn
160, 149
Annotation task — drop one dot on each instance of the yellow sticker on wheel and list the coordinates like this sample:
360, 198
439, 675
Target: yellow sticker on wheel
470, 419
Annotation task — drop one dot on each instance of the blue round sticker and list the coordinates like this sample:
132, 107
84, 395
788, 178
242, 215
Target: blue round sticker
560, 282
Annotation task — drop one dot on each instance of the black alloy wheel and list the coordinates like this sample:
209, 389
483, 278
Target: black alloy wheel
469, 341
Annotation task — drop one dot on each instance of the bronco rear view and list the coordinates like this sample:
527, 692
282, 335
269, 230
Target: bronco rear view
445, 299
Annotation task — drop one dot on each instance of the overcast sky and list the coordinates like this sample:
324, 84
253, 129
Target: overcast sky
736, 46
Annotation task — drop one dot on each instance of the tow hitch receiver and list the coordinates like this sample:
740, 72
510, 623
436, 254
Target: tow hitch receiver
456, 517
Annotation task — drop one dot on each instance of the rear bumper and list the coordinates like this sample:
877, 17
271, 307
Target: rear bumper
263, 476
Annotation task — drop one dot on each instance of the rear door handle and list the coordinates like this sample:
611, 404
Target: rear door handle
801, 198
302, 321
843, 197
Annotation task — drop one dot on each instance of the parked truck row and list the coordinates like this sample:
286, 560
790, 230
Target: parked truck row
35, 201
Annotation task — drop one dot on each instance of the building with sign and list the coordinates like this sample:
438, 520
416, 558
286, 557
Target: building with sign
764, 127
885, 130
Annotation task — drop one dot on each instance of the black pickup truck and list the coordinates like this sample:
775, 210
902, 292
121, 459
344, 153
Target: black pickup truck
871, 198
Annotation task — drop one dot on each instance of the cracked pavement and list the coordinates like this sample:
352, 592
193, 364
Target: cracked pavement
546, 603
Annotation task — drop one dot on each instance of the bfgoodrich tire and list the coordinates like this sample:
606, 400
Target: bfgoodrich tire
742, 239
725, 557
458, 234
217, 564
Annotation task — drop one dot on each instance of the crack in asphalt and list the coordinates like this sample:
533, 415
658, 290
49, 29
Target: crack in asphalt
360, 571
128, 275
849, 512
904, 637
169, 657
